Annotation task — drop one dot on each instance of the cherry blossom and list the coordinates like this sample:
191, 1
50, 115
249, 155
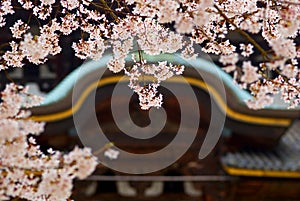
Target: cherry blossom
247, 50
229, 59
27, 4
250, 73
70, 4
112, 154
26, 171
284, 47
19, 28
149, 96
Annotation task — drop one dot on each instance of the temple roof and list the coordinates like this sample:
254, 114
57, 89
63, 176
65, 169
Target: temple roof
282, 161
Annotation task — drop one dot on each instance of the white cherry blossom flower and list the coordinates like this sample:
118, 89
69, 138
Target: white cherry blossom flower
284, 47
19, 28
250, 73
112, 154
247, 50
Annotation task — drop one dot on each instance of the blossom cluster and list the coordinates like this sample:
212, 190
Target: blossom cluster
210, 24
27, 172
148, 93
151, 39
162, 26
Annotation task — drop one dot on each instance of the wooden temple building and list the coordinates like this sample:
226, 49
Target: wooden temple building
256, 158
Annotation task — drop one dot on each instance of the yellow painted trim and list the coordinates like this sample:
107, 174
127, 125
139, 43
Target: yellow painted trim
193, 81
69, 112
260, 173
236, 115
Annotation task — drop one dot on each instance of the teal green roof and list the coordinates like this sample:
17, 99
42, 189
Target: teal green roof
67, 84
